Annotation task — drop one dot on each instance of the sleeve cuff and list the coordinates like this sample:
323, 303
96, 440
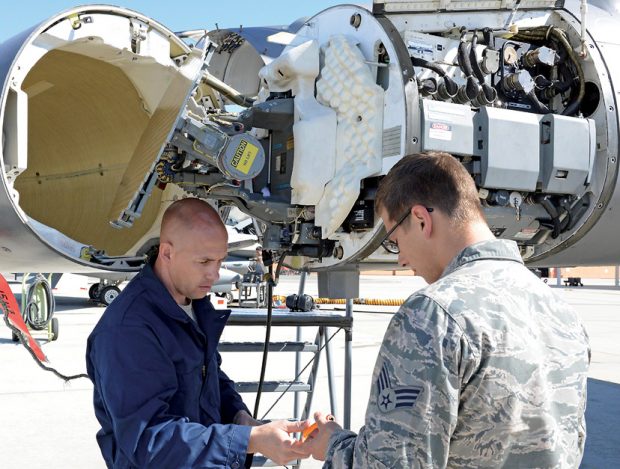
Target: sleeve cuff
337, 438
238, 446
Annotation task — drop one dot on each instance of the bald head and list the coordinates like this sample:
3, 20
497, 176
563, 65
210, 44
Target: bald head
193, 243
186, 218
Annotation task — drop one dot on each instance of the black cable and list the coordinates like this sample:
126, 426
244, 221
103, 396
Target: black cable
473, 59
463, 57
540, 107
554, 214
271, 282
489, 38
489, 93
263, 367
471, 87
544, 34
279, 266
451, 88
418, 62
19, 335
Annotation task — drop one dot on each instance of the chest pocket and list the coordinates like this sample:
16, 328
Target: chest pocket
186, 402
210, 399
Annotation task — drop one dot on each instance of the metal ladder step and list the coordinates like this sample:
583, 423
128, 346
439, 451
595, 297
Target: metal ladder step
273, 386
273, 347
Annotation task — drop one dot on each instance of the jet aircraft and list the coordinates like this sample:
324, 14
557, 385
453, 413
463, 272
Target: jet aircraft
107, 116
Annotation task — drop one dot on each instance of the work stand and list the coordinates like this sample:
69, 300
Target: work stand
252, 291
325, 322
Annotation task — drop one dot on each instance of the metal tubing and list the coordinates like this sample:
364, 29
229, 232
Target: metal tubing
296, 402
333, 402
313, 375
348, 353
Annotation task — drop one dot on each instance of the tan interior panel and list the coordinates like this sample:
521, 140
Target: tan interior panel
150, 144
85, 120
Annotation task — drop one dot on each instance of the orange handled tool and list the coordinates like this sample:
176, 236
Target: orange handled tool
312, 428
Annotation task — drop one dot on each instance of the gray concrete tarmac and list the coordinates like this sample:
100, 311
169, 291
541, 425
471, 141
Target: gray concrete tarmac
49, 424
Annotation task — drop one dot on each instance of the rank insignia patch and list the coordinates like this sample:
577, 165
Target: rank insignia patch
390, 398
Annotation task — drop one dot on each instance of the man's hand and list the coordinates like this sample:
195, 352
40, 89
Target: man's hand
273, 440
243, 418
317, 441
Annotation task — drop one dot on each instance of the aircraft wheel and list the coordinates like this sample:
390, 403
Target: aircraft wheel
109, 294
55, 327
92, 291
229, 297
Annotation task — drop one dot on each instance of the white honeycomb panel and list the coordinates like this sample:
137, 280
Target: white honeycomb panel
348, 86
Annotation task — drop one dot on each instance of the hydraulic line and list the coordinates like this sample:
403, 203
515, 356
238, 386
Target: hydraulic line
418, 62
263, 367
554, 214
471, 88
473, 60
448, 89
489, 93
542, 34
540, 107
271, 282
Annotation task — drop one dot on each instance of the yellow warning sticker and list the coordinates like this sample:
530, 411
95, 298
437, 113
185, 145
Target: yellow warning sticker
244, 156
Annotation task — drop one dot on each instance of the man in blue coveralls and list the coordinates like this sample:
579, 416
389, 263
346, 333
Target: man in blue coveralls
160, 395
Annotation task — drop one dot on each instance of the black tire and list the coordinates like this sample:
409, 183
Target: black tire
108, 294
55, 327
93, 290
229, 297
14, 337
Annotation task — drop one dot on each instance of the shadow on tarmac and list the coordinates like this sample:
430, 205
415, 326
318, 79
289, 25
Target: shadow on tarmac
68, 303
602, 421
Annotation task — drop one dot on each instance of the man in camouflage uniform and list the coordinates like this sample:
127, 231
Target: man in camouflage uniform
485, 367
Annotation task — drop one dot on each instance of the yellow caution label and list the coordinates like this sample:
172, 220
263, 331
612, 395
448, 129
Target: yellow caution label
290, 144
244, 156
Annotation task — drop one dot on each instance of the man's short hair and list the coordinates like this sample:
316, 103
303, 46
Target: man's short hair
433, 179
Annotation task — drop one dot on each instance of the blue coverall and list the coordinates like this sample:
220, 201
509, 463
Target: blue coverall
160, 395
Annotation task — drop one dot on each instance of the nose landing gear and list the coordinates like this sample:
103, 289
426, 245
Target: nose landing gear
103, 292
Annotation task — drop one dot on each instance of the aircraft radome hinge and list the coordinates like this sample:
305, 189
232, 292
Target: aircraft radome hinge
139, 31
76, 20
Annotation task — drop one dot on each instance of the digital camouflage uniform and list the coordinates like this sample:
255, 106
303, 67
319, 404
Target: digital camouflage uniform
486, 367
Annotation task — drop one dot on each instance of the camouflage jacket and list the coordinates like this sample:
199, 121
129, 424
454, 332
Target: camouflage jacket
486, 367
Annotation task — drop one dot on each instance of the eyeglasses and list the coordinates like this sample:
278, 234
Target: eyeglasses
392, 246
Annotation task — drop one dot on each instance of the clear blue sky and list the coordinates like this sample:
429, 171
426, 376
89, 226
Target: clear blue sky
177, 15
